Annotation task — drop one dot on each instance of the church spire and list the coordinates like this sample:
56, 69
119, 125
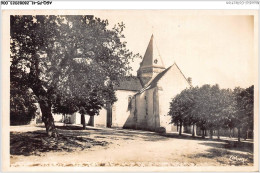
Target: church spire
152, 63
152, 56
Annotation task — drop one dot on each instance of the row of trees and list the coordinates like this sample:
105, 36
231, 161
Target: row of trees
211, 108
69, 63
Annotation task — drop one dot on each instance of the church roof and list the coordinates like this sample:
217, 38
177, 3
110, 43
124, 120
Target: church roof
152, 57
153, 82
129, 83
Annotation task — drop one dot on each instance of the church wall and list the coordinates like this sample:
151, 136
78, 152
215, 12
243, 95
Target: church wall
152, 108
130, 122
75, 118
120, 109
171, 84
149, 110
156, 110
144, 114
120, 112
101, 119
141, 111
164, 105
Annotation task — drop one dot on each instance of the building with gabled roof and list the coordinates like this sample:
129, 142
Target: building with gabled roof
129, 83
150, 106
144, 100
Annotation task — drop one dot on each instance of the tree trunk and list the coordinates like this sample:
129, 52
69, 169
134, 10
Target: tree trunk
211, 133
63, 119
193, 130
109, 115
44, 99
246, 136
245, 133
203, 134
47, 118
238, 135
83, 121
180, 128
230, 135
91, 121
218, 134
233, 130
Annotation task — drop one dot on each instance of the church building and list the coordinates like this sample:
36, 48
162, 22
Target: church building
144, 100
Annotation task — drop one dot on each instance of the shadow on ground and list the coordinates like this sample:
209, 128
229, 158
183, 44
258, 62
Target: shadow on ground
114, 133
232, 145
217, 143
37, 142
74, 138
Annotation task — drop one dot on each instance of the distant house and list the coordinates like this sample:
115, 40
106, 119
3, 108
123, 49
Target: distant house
144, 100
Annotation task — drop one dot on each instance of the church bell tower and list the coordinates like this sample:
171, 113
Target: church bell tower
152, 63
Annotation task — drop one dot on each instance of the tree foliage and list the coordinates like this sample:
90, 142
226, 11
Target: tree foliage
210, 107
66, 59
22, 107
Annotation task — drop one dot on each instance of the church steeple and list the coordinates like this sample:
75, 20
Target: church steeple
152, 63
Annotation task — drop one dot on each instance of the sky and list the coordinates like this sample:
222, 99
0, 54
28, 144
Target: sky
211, 49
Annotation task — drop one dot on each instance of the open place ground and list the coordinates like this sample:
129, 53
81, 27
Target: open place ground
29, 146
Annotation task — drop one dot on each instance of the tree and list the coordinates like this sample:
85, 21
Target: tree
244, 115
210, 107
90, 106
191, 117
226, 110
215, 105
64, 107
86, 105
205, 106
176, 112
248, 104
22, 107
180, 109
65, 57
